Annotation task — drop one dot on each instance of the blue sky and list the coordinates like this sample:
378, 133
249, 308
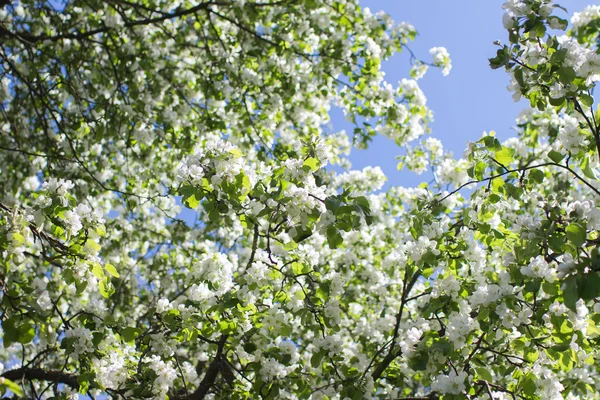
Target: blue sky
473, 98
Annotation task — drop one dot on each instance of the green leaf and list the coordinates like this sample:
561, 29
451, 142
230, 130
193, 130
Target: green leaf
26, 333
250, 347
505, 156
100, 230
11, 334
587, 171
565, 361
589, 285
333, 203
111, 270
491, 143
227, 327
12, 386
363, 202
192, 201
557, 102
531, 354
533, 286
316, 358
105, 288
84, 380
246, 184
130, 333
566, 75
529, 386
172, 319
576, 234
537, 175
556, 242
587, 100
312, 164
555, 156
550, 288
97, 270
17, 239
502, 58
559, 56
518, 344
484, 373
570, 293
419, 361
479, 170
235, 152
302, 234
91, 246
518, 74
80, 285
497, 184
334, 238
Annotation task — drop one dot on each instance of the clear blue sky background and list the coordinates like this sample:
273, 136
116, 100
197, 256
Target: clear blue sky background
473, 98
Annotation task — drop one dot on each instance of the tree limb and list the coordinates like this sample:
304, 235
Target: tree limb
211, 374
393, 353
40, 374
24, 36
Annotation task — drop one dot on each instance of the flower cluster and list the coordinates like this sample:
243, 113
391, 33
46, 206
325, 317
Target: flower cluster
441, 58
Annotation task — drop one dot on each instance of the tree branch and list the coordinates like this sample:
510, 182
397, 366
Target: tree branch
591, 125
393, 354
82, 35
24, 36
39, 374
547, 164
211, 374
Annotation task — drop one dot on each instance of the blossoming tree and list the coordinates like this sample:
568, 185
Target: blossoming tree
284, 278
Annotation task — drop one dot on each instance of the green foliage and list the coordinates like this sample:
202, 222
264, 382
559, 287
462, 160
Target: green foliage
178, 219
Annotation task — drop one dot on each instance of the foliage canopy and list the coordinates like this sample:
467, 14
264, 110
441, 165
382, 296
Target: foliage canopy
292, 279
